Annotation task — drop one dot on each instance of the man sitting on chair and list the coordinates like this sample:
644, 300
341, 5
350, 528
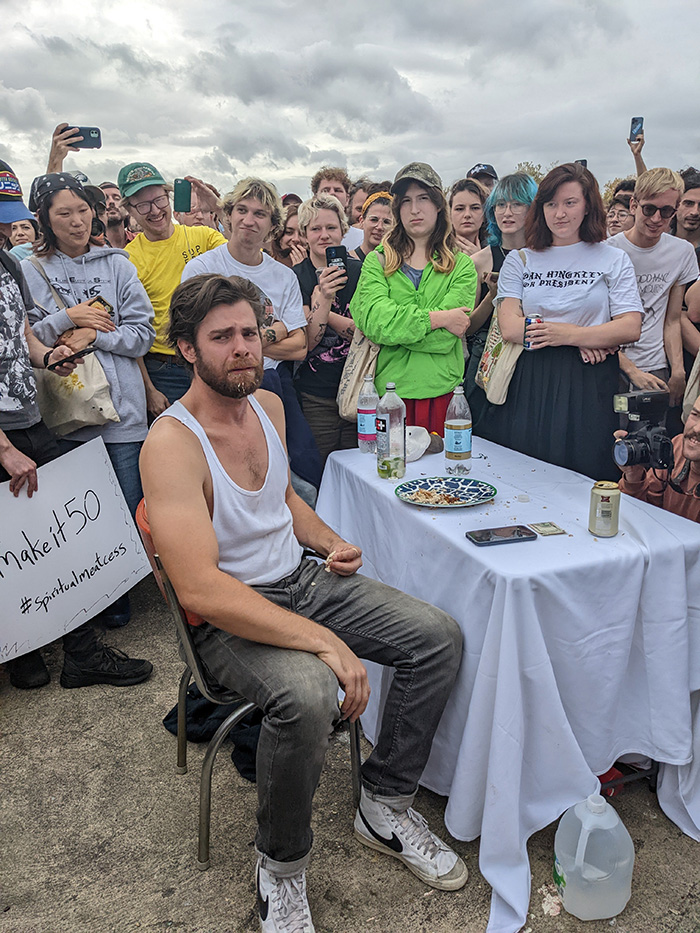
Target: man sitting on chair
281, 630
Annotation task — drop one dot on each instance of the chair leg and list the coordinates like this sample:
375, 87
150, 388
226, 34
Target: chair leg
355, 762
182, 722
205, 781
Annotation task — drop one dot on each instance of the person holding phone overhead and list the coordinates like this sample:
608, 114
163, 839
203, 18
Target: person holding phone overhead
559, 403
414, 299
66, 273
326, 291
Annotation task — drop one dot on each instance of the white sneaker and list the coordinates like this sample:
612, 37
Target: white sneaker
404, 834
282, 902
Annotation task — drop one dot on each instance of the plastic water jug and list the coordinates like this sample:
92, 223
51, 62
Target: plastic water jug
593, 860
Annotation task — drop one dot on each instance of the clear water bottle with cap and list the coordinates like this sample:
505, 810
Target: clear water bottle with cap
367, 417
391, 435
458, 435
593, 860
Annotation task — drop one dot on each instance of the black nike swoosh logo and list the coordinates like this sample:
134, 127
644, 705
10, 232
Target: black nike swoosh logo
393, 843
263, 905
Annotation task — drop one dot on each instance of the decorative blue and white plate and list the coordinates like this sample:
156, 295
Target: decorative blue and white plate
445, 492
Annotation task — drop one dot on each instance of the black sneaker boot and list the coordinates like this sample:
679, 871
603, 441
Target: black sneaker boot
106, 666
28, 671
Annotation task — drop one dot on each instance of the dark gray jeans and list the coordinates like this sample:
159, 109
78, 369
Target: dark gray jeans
298, 693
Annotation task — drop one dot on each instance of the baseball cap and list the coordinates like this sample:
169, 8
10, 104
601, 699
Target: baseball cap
482, 168
137, 175
96, 196
47, 184
417, 171
12, 206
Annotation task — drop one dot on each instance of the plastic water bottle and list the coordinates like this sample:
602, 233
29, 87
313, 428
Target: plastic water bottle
458, 435
367, 417
593, 860
391, 435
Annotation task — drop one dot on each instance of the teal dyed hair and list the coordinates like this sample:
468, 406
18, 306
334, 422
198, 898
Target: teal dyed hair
516, 187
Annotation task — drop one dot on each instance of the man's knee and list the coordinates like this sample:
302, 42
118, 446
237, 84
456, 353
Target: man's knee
444, 635
310, 696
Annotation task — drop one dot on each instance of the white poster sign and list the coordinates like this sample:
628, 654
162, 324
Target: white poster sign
67, 553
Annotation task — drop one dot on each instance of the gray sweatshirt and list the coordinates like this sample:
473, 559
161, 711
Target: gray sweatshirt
110, 273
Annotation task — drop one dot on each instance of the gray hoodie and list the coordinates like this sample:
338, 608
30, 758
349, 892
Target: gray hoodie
110, 273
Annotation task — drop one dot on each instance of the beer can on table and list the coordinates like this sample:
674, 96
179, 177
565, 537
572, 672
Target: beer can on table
531, 319
604, 516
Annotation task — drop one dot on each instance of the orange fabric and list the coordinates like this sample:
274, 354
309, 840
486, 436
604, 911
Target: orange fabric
149, 547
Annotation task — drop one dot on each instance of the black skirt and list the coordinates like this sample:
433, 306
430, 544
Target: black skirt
560, 410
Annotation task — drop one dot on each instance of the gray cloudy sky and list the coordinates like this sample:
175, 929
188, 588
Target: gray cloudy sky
277, 88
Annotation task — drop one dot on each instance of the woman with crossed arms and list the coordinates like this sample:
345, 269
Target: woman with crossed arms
559, 403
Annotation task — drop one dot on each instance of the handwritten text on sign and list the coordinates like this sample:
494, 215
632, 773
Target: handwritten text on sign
66, 553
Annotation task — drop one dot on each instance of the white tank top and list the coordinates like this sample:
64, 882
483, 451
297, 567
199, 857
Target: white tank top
253, 527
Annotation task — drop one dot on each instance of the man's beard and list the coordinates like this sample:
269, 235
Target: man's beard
230, 384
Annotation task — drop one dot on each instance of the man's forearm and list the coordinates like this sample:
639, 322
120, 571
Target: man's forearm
37, 350
673, 345
309, 530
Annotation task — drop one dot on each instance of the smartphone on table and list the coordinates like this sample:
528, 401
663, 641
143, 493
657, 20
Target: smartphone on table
636, 127
510, 534
182, 198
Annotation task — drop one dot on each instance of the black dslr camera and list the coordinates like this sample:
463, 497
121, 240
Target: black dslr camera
647, 442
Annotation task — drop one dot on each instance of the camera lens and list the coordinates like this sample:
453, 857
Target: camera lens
630, 451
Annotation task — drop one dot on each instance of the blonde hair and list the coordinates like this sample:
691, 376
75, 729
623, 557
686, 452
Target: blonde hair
265, 192
655, 181
308, 211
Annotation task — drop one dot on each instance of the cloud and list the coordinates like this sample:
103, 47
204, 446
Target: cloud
277, 88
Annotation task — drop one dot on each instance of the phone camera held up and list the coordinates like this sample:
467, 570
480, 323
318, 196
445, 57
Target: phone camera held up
647, 442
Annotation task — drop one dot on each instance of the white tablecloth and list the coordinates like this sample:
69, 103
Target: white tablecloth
577, 649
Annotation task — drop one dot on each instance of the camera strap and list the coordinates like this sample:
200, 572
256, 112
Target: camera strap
675, 482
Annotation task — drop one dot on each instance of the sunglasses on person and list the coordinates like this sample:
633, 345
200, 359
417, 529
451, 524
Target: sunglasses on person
650, 209
145, 207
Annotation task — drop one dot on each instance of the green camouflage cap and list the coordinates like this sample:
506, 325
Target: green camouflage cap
417, 171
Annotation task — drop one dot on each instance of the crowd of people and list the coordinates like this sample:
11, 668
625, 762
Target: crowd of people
200, 308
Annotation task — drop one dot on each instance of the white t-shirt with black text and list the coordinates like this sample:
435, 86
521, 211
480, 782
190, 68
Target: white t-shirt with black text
657, 268
278, 285
584, 284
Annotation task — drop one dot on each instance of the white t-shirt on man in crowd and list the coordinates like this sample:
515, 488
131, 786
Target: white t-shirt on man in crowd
658, 268
584, 284
278, 285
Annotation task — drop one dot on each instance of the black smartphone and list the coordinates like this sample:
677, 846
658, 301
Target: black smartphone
92, 137
182, 198
510, 534
337, 256
583, 162
73, 356
636, 127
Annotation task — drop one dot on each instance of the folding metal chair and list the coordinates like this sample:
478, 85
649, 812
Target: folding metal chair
194, 670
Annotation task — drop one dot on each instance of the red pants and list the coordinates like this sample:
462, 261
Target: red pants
428, 413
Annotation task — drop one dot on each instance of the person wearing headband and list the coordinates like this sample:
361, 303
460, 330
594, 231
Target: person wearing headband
376, 219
